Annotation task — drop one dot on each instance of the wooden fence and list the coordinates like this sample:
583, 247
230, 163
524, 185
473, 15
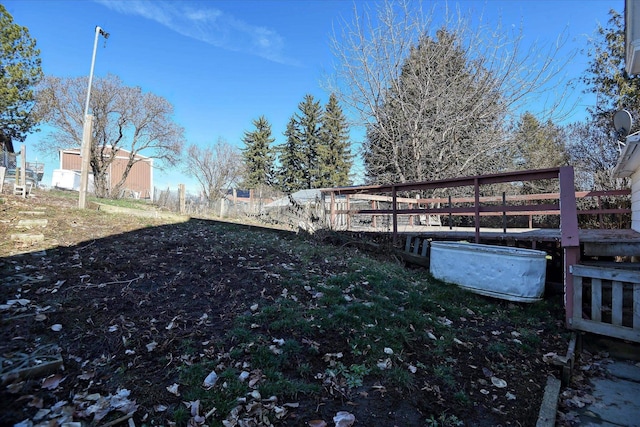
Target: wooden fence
606, 301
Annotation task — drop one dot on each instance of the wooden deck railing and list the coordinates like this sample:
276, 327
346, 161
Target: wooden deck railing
476, 205
562, 203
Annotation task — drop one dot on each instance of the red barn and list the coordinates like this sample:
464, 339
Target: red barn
139, 182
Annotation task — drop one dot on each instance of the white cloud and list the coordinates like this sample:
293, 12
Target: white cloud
207, 24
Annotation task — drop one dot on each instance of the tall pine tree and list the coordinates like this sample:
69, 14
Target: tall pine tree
258, 155
335, 153
291, 171
309, 122
300, 155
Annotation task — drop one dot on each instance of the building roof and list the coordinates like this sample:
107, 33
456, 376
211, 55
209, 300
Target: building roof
77, 151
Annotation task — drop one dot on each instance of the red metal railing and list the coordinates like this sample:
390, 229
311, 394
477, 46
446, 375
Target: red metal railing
478, 205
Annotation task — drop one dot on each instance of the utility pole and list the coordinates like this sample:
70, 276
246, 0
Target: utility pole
85, 151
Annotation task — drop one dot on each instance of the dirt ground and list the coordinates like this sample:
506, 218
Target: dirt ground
107, 308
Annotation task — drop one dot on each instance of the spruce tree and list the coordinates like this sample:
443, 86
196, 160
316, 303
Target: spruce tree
300, 155
309, 122
335, 152
258, 155
291, 175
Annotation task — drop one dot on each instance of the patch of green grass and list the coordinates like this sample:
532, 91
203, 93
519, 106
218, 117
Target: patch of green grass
180, 416
444, 420
497, 347
187, 347
445, 374
401, 378
264, 358
276, 384
353, 375
224, 394
240, 334
123, 203
304, 370
462, 398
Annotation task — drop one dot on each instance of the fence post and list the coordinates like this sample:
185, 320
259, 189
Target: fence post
182, 198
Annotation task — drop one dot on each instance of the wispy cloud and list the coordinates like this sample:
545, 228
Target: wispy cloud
210, 25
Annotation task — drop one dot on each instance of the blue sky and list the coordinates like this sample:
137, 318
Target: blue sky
224, 63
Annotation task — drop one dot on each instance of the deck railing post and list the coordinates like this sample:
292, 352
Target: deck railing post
450, 215
569, 236
394, 208
600, 217
373, 217
348, 212
504, 212
476, 188
333, 210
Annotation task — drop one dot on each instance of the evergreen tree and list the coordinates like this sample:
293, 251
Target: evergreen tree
309, 122
606, 76
538, 145
291, 175
594, 143
335, 152
257, 154
300, 155
441, 118
20, 72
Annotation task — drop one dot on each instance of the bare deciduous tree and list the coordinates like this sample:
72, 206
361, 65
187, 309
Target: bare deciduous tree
435, 97
215, 168
124, 118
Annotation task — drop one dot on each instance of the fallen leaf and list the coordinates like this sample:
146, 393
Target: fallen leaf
498, 382
210, 380
292, 405
86, 375
52, 382
56, 328
173, 389
344, 419
151, 346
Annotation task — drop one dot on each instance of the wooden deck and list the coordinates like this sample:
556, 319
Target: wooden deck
397, 208
611, 238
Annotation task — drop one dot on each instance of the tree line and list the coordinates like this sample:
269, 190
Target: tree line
437, 98
316, 154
